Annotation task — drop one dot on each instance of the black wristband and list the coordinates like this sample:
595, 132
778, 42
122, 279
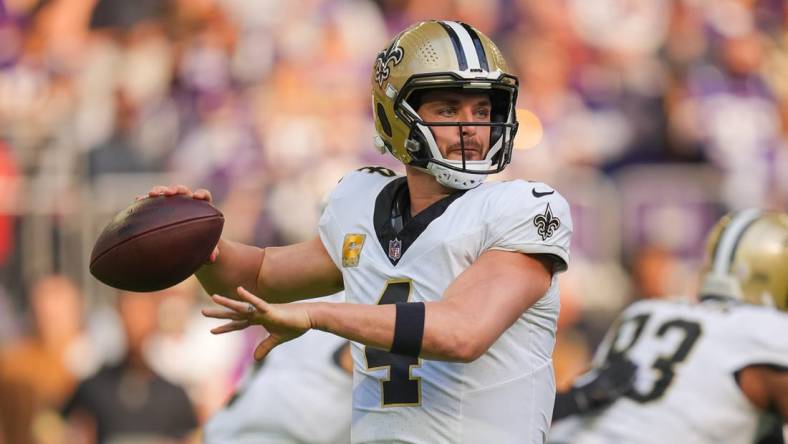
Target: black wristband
408, 329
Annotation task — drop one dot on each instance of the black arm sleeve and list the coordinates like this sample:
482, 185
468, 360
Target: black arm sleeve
565, 405
596, 389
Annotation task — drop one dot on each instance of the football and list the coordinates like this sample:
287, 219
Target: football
156, 243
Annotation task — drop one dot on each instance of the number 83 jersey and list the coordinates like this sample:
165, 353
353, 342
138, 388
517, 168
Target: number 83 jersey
506, 395
685, 391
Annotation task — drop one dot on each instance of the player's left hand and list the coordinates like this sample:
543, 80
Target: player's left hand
283, 322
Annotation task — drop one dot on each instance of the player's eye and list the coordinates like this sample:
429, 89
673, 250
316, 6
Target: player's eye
447, 111
482, 113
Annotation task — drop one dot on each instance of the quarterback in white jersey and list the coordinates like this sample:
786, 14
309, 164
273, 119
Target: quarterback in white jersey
451, 283
708, 372
504, 396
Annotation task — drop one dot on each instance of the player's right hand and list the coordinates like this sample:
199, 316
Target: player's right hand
177, 190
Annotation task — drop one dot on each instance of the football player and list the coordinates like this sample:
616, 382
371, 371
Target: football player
451, 282
300, 393
708, 372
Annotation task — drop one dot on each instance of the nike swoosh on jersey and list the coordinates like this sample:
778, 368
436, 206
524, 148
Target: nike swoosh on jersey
541, 194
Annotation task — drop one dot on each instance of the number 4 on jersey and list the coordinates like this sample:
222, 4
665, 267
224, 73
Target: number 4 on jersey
400, 388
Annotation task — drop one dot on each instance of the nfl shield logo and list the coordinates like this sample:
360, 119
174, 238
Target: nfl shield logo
395, 249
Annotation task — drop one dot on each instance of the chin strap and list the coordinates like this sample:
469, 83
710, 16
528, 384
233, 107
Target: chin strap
455, 179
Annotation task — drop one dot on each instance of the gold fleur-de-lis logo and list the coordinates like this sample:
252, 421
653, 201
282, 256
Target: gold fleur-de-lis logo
391, 55
546, 223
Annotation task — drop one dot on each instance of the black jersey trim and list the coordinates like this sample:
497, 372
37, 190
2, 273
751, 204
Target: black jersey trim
413, 226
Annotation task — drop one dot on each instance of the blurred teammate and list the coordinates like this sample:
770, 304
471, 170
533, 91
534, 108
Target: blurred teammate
300, 393
451, 282
708, 372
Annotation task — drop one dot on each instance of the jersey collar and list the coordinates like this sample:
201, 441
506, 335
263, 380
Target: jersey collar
396, 243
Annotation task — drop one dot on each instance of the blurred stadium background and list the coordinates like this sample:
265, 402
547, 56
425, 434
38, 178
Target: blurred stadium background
652, 118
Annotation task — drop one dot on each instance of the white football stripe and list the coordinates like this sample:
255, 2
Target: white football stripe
729, 238
467, 45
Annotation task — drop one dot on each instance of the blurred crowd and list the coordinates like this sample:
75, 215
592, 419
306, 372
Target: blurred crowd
651, 117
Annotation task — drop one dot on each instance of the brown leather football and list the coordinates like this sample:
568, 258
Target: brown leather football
156, 243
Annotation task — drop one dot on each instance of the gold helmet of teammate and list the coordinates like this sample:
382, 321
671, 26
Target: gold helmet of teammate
442, 54
747, 258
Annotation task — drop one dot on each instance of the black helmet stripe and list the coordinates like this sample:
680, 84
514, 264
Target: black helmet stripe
477, 43
728, 243
466, 43
455, 40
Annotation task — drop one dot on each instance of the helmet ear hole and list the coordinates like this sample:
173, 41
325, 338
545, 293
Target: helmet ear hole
384, 121
417, 144
415, 99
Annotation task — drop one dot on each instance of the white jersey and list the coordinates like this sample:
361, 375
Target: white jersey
505, 396
685, 389
299, 395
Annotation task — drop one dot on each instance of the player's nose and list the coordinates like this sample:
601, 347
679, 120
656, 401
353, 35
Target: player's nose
466, 115
468, 130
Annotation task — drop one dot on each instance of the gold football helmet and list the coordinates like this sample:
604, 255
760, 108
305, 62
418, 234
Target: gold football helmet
748, 258
442, 54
